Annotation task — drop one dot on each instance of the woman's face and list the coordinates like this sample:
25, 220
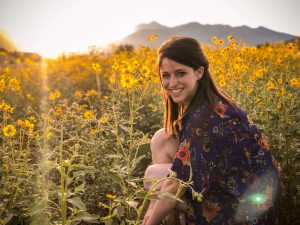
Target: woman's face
180, 81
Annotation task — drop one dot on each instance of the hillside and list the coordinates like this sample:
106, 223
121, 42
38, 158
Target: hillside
6, 42
204, 33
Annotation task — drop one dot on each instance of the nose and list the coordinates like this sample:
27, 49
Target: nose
173, 81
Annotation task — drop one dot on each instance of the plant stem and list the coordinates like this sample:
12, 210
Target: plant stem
62, 173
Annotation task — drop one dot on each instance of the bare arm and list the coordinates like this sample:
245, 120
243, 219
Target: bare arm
163, 149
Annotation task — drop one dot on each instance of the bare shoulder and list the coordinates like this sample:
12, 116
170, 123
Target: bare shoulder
159, 137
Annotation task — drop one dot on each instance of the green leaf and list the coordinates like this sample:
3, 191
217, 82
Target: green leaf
137, 160
38, 207
76, 201
127, 129
114, 176
132, 183
66, 164
46, 156
40, 219
25, 200
170, 196
87, 217
103, 205
80, 188
106, 218
132, 204
114, 156
153, 197
78, 173
48, 163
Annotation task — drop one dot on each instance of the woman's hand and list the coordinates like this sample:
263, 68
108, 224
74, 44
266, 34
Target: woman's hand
146, 217
164, 205
148, 213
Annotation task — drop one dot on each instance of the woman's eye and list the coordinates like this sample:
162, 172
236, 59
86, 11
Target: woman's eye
180, 73
165, 75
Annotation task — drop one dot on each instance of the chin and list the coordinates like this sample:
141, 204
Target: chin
177, 101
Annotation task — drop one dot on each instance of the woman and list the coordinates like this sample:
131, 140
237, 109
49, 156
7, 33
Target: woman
221, 154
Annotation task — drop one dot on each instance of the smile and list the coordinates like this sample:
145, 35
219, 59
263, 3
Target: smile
176, 91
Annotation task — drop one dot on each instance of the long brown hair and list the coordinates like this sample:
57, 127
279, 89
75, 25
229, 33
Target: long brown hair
187, 51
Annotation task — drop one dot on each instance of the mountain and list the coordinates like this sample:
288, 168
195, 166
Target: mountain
203, 33
6, 42
152, 25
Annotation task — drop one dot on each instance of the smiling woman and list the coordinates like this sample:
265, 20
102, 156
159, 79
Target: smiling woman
224, 156
180, 80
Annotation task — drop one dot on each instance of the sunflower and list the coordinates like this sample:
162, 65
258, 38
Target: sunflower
270, 85
230, 38
14, 84
78, 94
111, 196
295, 82
9, 131
92, 92
54, 95
2, 85
127, 80
152, 37
214, 39
221, 42
88, 115
97, 67
222, 83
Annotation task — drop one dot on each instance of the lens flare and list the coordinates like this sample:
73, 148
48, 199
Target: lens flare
258, 198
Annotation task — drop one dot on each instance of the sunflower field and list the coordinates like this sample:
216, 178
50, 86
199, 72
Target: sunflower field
75, 131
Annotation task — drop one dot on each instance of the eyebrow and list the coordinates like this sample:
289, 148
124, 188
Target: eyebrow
178, 70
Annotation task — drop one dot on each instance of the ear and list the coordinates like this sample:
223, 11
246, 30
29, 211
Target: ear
199, 72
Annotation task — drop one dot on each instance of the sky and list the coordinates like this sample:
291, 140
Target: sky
51, 27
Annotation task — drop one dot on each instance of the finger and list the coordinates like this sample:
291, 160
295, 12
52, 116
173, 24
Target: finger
145, 220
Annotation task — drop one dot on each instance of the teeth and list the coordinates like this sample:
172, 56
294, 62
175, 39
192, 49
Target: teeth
175, 91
